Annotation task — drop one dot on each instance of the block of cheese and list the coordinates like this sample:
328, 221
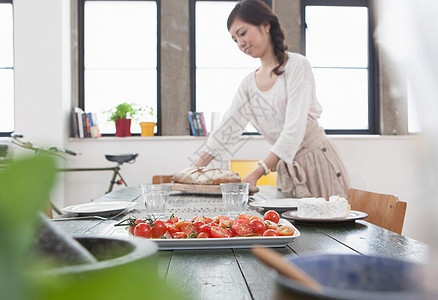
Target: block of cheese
336, 207
203, 175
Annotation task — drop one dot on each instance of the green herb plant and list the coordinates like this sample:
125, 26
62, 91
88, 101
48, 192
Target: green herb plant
129, 111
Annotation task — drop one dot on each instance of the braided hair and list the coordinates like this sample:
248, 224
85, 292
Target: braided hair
256, 12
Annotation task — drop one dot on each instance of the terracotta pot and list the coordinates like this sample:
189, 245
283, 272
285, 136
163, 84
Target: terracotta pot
147, 128
123, 127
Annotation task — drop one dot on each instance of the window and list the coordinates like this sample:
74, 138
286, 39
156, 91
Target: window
337, 42
118, 57
218, 65
6, 68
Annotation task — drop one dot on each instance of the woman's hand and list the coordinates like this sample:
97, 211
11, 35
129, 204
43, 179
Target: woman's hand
252, 177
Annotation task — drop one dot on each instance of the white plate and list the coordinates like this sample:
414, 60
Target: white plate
99, 208
285, 203
352, 216
219, 243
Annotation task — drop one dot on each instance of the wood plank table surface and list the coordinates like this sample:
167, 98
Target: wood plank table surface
236, 273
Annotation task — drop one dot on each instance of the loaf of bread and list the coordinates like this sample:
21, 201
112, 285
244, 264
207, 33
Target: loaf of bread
203, 175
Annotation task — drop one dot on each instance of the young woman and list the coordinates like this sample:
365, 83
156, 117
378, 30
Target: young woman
279, 99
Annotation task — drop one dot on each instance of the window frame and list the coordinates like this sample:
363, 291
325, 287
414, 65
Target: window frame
81, 60
192, 45
8, 133
373, 70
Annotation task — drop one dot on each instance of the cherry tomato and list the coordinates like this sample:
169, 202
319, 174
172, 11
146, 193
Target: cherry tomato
180, 235
172, 220
220, 232
270, 232
255, 218
204, 235
159, 229
143, 230
270, 225
132, 226
241, 228
205, 228
202, 219
244, 218
171, 229
272, 215
258, 226
181, 223
226, 223
220, 218
190, 229
198, 224
285, 230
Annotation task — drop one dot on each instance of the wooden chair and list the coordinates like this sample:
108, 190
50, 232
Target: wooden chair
383, 210
158, 179
245, 166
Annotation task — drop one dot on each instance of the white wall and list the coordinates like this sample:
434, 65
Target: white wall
389, 164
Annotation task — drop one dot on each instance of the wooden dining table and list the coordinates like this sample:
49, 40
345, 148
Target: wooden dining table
234, 273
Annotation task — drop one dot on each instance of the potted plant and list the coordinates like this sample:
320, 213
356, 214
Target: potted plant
148, 126
121, 115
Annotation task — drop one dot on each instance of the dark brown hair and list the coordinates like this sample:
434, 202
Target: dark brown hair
256, 12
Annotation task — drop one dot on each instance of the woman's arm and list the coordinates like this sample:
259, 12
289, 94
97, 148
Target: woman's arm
204, 159
270, 160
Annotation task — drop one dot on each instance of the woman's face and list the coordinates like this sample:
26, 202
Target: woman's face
251, 39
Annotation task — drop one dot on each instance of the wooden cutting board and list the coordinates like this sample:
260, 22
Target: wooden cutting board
203, 188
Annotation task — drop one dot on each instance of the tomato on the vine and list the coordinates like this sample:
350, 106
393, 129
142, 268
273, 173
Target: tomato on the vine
143, 230
159, 229
272, 215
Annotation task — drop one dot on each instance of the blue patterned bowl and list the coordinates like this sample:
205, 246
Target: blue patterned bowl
355, 277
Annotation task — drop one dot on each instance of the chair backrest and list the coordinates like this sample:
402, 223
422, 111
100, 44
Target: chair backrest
158, 179
383, 210
245, 166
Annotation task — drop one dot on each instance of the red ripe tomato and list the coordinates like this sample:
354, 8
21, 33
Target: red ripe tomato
172, 220
270, 232
243, 218
202, 219
258, 226
220, 218
159, 229
272, 215
143, 230
220, 232
171, 229
204, 235
132, 225
190, 229
180, 235
205, 228
285, 230
198, 224
241, 228
226, 223
181, 223
270, 225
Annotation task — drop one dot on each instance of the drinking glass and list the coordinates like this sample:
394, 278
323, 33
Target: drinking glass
235, 197
155, 197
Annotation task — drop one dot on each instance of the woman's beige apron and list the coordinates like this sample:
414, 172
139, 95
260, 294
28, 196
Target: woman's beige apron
317, 169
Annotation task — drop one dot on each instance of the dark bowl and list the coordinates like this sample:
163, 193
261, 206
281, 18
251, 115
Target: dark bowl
109, 252
355, 277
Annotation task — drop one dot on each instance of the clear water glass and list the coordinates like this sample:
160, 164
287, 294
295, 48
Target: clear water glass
155, 197
235, 197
